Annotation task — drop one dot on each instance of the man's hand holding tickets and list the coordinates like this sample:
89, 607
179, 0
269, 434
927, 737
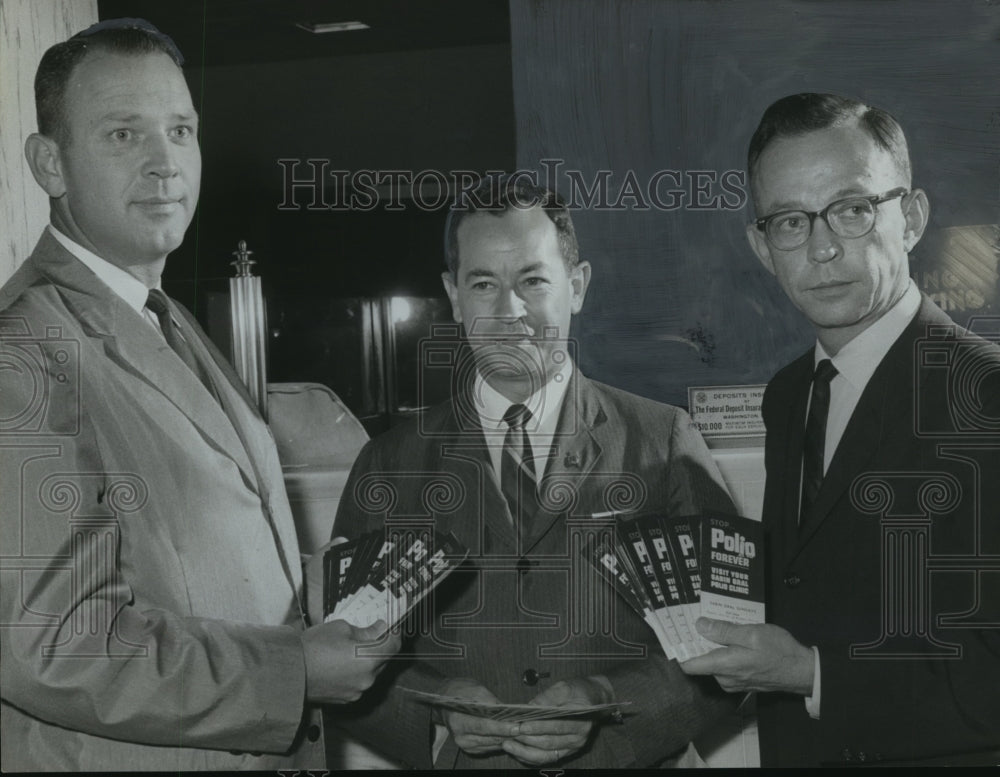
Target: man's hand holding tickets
754, 657
342, 661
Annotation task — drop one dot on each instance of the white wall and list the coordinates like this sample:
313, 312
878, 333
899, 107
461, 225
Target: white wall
27, 29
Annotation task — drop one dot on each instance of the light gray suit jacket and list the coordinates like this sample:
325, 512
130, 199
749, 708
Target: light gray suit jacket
150, 613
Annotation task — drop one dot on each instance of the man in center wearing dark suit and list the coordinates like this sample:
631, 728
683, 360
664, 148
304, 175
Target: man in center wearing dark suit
527, 460
883, 449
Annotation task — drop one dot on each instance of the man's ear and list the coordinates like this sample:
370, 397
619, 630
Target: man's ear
452, 289
45, 160
916, 211
760, 247
579, 279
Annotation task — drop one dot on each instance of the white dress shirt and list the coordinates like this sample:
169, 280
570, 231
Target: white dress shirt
856, 362
544, 405
128, 287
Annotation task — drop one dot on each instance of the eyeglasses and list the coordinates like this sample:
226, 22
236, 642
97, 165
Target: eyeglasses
850, 217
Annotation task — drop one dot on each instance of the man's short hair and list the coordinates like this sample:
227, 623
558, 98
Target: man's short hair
134, 37
496, 195
799, 114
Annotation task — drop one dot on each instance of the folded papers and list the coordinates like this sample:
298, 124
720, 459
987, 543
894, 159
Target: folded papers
383, 574
674, 570
514, 713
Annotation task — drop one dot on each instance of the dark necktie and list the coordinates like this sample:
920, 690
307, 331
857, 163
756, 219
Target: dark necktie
157, 302
517, 469
815, 438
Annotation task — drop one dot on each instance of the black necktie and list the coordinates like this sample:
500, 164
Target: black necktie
157, 302
517, 469
815, 439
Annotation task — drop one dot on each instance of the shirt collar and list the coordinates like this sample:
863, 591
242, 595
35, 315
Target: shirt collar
126, 286
544, 404
858, 360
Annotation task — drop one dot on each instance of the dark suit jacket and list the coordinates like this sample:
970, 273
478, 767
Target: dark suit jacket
542, 608
908, 671
149, 607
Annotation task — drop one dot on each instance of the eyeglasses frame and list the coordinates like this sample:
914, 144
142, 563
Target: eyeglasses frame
874, 199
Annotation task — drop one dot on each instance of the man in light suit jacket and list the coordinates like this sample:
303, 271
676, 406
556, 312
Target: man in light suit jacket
882, 500
527, 619
150, 610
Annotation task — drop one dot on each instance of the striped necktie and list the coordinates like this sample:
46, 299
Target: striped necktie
159, 304
517, 470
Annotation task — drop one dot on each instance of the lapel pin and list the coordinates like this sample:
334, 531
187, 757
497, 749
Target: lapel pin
571, 460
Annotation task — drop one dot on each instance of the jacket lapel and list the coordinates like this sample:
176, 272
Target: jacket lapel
487, 525
791, 429
574, 454
880, 407
208, 352
131, 342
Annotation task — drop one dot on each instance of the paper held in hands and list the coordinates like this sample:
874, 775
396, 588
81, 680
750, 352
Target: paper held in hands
514, 713
674, 570
382, 575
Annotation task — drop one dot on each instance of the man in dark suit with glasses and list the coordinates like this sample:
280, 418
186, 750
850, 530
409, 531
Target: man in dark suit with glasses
883, 445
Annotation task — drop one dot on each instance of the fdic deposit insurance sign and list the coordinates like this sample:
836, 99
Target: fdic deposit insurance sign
727, 411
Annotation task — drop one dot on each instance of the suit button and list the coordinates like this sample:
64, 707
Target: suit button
792, 581
312, 733
847, 755
531, 677
862, 756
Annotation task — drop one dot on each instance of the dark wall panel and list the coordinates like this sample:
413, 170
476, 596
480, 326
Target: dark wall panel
446, 109
640, 86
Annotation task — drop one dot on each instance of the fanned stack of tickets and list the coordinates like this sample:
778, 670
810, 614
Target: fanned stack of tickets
383, 574
514, 713
674, 570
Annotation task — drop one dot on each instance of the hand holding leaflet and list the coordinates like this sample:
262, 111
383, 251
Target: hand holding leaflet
754, 657
381, 576
673, 571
